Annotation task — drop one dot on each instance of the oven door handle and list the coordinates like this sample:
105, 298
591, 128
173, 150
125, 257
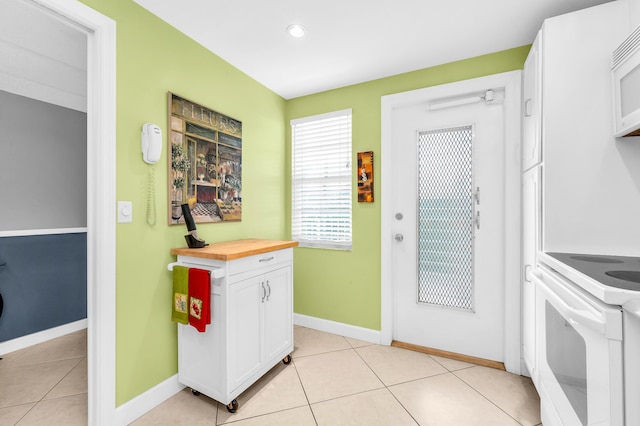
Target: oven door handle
572, 315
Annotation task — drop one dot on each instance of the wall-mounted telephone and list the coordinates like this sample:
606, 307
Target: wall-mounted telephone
151, 143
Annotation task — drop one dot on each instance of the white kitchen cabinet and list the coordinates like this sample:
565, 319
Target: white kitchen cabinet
531, 233
531, 196
260, 323
572, 167
532, 106
251, 326
278, 311
631, 346
245, 329
590, 179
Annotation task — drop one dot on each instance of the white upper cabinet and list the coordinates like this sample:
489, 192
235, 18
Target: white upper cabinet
532, 107
589, 182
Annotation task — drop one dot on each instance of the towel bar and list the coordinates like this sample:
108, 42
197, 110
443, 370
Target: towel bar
216, 273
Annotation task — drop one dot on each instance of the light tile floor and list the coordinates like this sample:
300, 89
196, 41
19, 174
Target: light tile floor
45, 384
335, 381
332, 380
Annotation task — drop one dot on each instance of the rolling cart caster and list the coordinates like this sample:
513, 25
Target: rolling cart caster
287, 360
232, 407
195, 392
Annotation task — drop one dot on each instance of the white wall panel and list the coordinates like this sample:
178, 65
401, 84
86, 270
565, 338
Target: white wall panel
42, 58
634, 13
591, 180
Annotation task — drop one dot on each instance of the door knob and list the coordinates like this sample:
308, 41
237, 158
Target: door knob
399, 238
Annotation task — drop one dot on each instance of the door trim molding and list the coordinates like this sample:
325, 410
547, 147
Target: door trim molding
512, 83
101, 195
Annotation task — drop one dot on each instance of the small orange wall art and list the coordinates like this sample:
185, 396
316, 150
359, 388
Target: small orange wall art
365, 177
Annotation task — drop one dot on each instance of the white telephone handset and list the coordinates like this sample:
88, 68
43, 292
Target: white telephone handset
151, 143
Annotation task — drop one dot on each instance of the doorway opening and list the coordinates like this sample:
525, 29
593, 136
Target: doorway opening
101, 149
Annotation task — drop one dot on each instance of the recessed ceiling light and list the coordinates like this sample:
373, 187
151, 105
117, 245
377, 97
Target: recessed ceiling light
296, 30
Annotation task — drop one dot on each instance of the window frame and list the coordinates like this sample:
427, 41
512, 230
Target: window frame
342, 181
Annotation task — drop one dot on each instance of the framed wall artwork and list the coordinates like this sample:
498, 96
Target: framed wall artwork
205, 163
365, 177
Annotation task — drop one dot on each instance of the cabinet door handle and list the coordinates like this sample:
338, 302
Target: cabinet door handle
264, 291
527, 109
269, 293
266, 259
527, 273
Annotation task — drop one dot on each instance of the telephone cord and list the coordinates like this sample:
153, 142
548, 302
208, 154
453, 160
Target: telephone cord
151, 197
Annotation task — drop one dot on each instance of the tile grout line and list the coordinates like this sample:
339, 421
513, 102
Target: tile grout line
36, 403
451, 372
300, 379
384, 386
257, 416
47, 361
387, 388
486, 398
25, 414
293, 361
351, 347
222, 406
323, 353
60, 381
24, 403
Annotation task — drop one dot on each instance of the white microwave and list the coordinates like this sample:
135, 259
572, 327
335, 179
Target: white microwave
626, 86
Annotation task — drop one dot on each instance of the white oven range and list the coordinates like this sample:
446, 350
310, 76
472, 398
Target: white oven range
588, 339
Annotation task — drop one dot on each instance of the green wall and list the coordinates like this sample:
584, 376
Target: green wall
344, 286
152, 59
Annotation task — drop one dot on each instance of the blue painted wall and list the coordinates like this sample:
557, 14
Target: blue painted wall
43, 282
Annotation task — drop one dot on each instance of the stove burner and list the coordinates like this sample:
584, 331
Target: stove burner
633, 276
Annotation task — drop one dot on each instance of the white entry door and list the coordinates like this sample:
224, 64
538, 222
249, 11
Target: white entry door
448, 251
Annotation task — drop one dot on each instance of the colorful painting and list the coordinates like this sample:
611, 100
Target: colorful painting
205, 163
365, 177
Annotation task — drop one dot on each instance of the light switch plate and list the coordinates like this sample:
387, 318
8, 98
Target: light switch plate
125, 212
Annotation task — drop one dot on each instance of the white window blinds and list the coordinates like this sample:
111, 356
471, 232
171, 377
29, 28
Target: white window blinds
321, 180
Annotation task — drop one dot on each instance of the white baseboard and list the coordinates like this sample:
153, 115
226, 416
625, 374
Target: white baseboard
41, 336
147, 401
342, 329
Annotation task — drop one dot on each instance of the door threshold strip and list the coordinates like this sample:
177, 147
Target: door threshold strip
452, 355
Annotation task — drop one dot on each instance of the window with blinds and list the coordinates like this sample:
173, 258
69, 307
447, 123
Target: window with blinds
321, 180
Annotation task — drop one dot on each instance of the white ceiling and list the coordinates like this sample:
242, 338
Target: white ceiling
348, 41
353, 41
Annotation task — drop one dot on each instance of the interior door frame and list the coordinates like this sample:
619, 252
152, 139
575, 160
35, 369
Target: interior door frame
101, 195
512, 83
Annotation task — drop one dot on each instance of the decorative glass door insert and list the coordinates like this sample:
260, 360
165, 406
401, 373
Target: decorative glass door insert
445, 204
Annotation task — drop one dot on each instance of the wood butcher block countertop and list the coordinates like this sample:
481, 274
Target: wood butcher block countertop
230, 250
